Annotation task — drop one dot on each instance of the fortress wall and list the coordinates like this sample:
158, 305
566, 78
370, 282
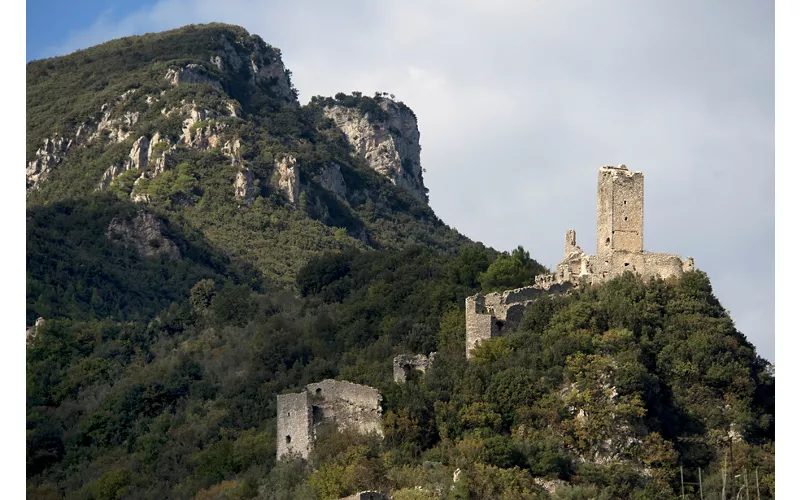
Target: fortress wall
347, 405
662, 264
294, 434
355, 394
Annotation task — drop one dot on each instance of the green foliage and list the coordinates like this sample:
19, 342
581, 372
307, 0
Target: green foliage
510, 271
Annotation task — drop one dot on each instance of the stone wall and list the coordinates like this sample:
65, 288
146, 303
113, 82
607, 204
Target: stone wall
294, 429
405, 363
344, 404
481, 325
347, 405
497, 313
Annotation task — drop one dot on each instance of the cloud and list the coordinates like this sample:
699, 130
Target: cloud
519, 103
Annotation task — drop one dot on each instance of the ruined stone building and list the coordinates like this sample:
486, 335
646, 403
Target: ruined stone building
343, 404
404, 364
620, 248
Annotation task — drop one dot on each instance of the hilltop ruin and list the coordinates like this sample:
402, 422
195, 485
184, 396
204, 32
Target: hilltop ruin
620, 248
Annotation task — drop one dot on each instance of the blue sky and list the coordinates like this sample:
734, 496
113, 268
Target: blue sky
519, 103
50, 22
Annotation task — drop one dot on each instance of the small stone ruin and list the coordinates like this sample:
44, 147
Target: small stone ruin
344, 404
405, 363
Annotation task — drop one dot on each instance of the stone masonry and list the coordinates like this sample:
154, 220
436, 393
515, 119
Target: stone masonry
620, 240
495, 314
405, 363
344, 404
620, 248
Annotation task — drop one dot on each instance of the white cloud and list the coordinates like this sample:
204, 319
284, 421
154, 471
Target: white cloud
520, 102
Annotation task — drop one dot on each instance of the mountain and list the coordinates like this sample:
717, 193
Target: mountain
199, 242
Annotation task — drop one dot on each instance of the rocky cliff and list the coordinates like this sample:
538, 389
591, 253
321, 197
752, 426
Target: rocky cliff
202, 125
241, 70
387, 137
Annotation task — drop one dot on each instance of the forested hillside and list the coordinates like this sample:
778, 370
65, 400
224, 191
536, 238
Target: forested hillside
198, 242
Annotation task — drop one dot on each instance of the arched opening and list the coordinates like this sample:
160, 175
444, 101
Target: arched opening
608, 241
288, 439
318, 392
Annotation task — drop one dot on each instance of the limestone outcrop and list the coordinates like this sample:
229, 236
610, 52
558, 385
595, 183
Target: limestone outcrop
31, 331
233, 57
331, 179
243, 186
191, 73
262, 63
47, 158
288, 177
145, 233
387, 140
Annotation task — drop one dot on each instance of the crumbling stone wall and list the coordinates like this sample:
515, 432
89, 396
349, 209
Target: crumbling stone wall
497, 313
344, 404
405, 363
347, 405
294, 424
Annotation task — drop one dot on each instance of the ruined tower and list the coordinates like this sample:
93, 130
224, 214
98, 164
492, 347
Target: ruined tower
620, 210
337, 402
295, 422
620, 248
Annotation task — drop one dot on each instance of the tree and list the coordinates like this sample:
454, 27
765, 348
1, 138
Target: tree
511, 271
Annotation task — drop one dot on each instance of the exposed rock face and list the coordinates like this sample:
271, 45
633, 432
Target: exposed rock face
140, 153
31, 331
332, 180
118, 127
389, 143
191, 73
234, 56
243, 186
262, 62
550, 485
145, 233
47, 157
138, 159
288, 177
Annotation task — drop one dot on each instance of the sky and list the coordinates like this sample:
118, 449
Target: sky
519, 103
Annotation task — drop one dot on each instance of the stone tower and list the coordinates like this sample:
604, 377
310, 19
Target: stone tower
620, 210
295, 422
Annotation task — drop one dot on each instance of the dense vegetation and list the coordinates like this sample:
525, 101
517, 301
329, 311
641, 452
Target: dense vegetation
157, 377
185, 405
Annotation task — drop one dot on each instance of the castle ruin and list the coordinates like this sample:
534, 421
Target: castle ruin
343, 404
620, 248
404, 364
